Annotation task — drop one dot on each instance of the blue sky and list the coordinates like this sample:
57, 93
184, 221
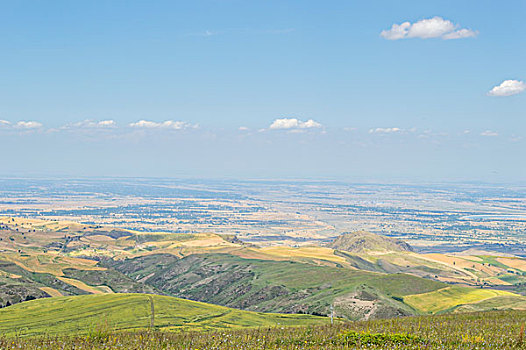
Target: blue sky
319, 89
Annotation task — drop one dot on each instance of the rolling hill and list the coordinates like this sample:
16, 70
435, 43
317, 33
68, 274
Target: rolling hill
276, 286
363, 241
363, 276
115, 312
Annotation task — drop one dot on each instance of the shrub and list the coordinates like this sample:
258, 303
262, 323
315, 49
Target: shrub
362, 338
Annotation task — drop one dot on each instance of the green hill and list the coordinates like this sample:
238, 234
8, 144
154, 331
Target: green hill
368, 276
86, 313
363, 241
277, 286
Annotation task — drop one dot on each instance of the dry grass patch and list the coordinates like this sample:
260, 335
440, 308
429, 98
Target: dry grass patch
83, 286
516, 263
51, 291
319, 253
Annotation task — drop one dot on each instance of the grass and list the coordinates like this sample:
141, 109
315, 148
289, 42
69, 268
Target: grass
81, 314
83, 286
51, 291
450, 297
499, 303
316, 253
489, 330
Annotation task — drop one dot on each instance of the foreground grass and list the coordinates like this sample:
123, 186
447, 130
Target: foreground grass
490, 330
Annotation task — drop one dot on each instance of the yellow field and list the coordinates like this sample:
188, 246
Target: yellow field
83, 286
463, 263
516, 263
50, 262
449, 297
319, 253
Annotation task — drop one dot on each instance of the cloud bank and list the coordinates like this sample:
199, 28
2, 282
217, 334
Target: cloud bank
20, 125
91, 124
435, 27
293, 123
508, 88
28, 125
167, 124
489, 133
384, 130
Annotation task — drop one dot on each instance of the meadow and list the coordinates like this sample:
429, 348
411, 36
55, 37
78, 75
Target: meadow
489, 330
83, 314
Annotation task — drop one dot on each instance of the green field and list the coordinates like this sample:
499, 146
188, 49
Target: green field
448, 298
499, 303
88, 313
488, 330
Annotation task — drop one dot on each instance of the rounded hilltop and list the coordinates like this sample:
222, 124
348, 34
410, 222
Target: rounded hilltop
362, 241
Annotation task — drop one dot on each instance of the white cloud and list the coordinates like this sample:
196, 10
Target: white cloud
460, 34
435, 27
168, 124
384, 130
489, 133
293, 123
508, 88
28, 125
106, 123
91, 124
397, 31
20, 125
243, 128
430, 28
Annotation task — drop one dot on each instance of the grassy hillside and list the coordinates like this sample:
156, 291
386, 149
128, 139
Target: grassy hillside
489, 330
277, 286
88, 313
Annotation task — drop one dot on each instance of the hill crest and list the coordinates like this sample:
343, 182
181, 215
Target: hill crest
362, 241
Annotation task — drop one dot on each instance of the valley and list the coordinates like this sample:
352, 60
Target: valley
360, 274
250, 255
